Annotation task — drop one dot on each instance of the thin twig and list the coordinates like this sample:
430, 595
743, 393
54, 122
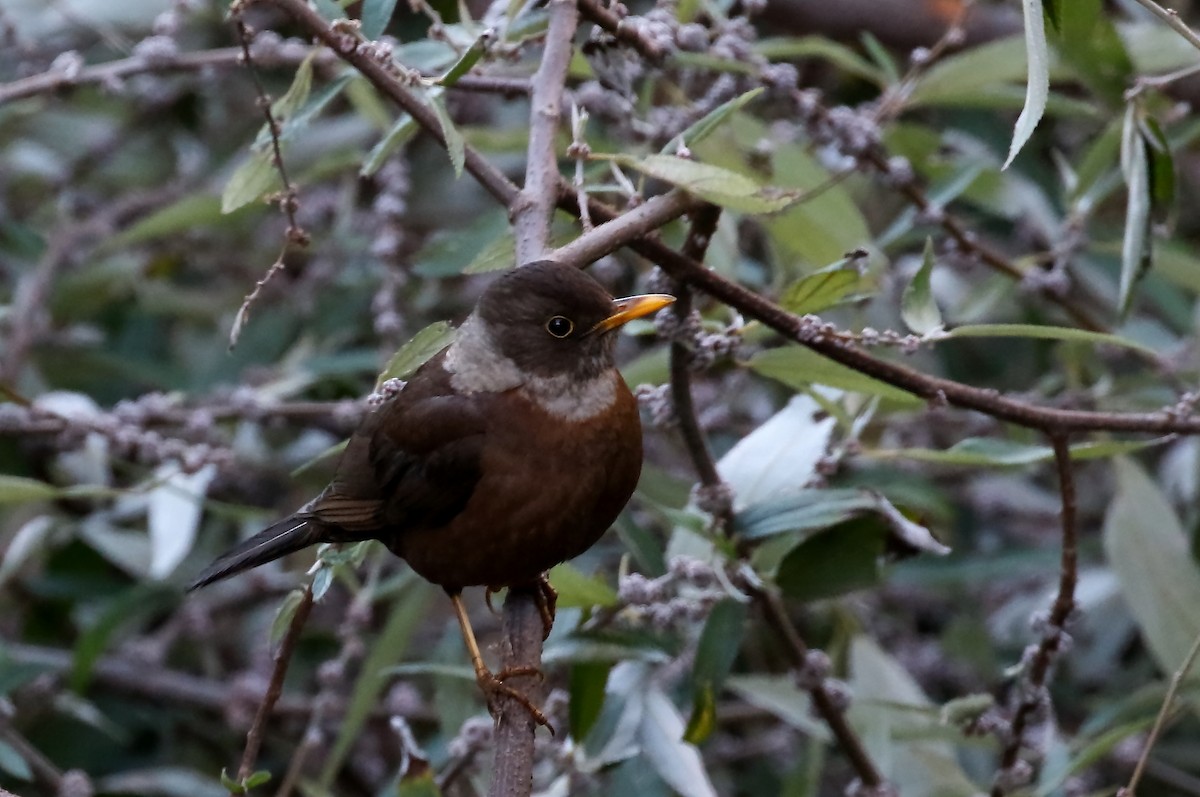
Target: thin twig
1034, 698
295, 234
1171, 17
1160, 721
283, 656
608, 20
45, 774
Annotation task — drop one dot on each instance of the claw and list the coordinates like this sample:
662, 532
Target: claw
547, 602
494, 688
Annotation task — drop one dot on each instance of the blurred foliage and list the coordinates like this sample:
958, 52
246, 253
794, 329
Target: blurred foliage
135, 443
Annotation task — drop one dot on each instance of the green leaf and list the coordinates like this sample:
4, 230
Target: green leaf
715, 653
455, 147
190, 212
421, 348
1148, 550
577, 590
991, 451
1044, 333
284, 107
703, 719
401, 132
799, 367
1088, 40
231, 785
587, 683
1038, 83
846, 558
258, 779
1136, 242
779, 695
376, 14
917, 306
1162, 167
424, 785
283, 616
718, 185
805, 510
256, 177
468, 59
19, 490
820, 290
14, 763
701, 129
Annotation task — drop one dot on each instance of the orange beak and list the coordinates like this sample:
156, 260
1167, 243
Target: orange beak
631, 307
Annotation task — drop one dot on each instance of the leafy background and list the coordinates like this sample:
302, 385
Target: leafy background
135, 443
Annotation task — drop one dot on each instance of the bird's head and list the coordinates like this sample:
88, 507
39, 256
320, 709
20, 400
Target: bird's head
553, 320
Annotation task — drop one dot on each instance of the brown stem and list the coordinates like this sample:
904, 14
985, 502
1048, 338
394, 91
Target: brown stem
1033, 682
283, 656
512, 766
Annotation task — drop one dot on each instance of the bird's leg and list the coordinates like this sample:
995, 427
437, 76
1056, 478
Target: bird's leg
547, 602
493, 685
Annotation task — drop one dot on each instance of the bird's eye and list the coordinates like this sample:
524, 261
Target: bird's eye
560, 326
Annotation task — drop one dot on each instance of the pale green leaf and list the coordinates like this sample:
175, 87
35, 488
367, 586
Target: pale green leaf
990, 451
718, 185
1045, 333
820, 290
19, 490
700, 130
400, 133
1136, 243
917, 306
375, 17
455, 147
1147, 548
417, 351
799, 367
1037, 87
256, 177
577, 590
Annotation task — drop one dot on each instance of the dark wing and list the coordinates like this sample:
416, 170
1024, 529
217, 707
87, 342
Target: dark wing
413, 464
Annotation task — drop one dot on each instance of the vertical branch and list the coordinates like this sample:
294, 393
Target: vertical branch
283, 656
534, 206
1033, 697
704, 223
531, 211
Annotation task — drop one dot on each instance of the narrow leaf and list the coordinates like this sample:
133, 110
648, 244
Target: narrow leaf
376, 14
19, 490
468, 59
820, 291
718, 185
1147, 548
250, 181
1135, 245
1037, 87
700, 130
918, 307
587, 684
798, 367
455, 146
417, 351
577, 590
1045, 333
402, 131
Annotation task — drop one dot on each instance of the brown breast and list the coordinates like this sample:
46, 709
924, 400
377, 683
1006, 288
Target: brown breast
549, 489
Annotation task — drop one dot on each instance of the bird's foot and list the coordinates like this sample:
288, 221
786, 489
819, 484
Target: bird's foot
547, 602
494, 688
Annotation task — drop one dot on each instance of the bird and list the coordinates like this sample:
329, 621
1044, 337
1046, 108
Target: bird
510, 451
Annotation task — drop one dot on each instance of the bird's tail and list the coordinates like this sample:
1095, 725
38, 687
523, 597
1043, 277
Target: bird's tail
279, 539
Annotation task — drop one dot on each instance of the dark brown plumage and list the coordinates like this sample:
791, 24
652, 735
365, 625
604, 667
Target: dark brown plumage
511, 451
